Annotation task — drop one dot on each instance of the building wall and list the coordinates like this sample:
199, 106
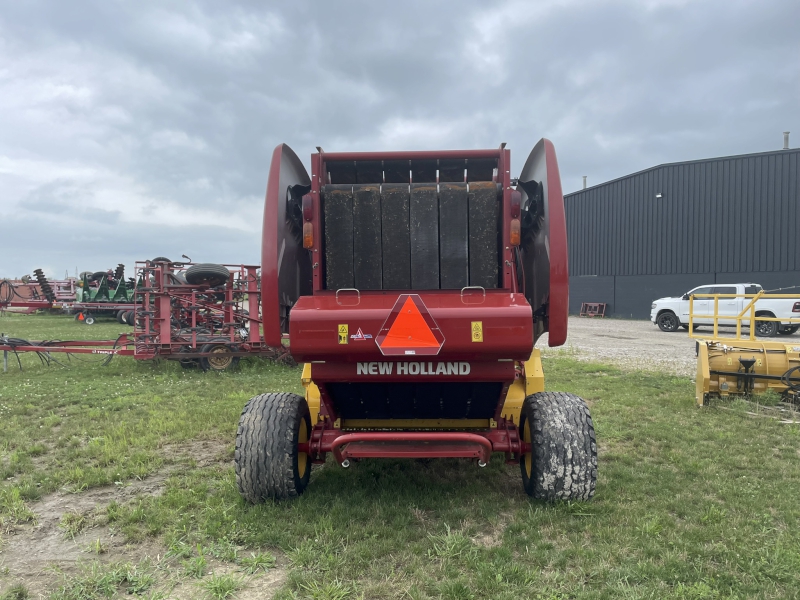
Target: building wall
726, 220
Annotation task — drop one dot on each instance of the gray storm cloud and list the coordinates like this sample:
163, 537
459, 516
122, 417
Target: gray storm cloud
130, 130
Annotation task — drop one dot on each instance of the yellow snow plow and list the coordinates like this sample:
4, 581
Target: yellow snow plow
730, 363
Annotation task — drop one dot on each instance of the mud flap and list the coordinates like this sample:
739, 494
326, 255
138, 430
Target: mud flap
543, 245
286, 272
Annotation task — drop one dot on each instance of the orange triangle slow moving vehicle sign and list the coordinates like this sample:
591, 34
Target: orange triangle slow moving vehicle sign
410, 330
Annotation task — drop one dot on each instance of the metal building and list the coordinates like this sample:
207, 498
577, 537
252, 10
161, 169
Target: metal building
665, 230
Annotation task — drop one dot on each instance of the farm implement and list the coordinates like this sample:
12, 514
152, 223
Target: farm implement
743, 365
413, 287
202, 315
36, 293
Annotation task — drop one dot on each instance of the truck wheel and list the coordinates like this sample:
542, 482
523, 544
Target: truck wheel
668, 321
788, 329
562, 463
267, 461
766, 328
219, 358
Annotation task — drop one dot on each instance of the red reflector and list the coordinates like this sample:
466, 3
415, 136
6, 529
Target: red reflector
516, 202
308, 207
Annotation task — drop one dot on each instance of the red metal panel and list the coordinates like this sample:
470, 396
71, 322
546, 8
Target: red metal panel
505, 320
545, 256
559, 263
282, 253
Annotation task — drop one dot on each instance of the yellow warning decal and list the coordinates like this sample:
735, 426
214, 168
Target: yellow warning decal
343, 334
477, 331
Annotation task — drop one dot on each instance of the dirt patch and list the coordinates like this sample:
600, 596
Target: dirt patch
203, 453
39, 555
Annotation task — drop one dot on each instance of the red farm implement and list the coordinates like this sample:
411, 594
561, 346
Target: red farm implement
38, 293
414, 285
204, 315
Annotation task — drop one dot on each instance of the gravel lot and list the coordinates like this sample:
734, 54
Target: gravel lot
631, 345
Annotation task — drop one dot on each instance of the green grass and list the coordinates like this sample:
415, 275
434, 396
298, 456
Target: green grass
691, 503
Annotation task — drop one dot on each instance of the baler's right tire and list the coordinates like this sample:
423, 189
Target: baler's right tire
562, 463
207, 273
668, 321
267, 461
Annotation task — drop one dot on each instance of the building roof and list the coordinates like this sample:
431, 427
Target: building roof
684, 162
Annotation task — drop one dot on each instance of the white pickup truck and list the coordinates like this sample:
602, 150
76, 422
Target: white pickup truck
672, 313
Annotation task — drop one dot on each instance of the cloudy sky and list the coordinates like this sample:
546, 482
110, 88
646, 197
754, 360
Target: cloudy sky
135, 129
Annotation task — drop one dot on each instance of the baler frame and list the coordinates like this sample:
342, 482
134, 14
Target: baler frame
458, 374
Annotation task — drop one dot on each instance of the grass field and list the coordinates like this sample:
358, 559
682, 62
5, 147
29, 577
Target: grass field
691, 503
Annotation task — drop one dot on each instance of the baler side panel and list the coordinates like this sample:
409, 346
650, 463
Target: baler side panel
544, 243
286, 271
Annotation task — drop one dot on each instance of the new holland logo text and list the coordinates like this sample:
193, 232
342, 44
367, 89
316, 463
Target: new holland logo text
413, 368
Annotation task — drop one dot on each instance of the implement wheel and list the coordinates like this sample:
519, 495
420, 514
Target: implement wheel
207, 273
219, 358
267, 461
562, 463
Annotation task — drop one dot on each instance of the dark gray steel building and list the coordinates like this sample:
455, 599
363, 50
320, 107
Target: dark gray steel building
670, 228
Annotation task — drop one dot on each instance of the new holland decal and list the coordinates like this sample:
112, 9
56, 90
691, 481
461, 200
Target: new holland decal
413, 368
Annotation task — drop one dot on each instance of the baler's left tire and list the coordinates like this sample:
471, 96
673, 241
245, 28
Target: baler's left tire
267, 461
562, 463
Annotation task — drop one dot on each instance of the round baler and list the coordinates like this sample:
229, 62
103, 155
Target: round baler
413, 286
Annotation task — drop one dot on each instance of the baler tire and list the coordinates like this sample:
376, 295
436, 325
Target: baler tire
214, 364
266, 459
207, 273
668, 322
562, 463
